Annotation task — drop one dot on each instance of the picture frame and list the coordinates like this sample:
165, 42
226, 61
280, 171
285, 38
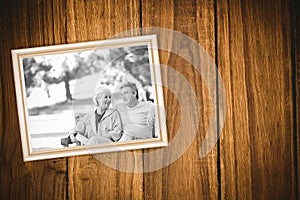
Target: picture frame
56, 85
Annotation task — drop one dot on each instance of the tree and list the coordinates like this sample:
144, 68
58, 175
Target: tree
33, 74
136, 62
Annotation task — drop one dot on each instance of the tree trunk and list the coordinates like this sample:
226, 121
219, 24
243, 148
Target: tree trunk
67, 85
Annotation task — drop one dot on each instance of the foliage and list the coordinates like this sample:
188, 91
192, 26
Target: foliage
40, 71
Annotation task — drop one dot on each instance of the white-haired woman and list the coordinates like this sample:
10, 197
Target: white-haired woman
101, 125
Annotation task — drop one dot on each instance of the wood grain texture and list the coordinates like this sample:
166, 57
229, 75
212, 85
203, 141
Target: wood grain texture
296, 40
24, 27
88, 177
253, 45
235, 173
189, 177
254, 61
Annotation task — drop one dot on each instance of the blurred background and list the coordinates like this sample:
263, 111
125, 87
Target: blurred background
59, 85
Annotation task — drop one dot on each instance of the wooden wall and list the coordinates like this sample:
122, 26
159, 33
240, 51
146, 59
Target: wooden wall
256, 47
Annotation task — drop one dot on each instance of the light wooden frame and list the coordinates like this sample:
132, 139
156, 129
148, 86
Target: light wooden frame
19, 54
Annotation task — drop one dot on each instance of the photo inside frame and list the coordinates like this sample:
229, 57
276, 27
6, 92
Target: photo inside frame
61, 87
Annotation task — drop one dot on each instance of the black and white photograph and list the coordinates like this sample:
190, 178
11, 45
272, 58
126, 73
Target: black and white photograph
102, 95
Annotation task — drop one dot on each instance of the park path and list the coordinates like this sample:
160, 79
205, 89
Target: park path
47, 130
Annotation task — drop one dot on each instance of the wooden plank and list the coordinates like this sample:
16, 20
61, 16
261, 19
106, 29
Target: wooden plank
4, 182
254, 61
59, 22
297, 74
23, 27
189, 177
88, 177
235, 173
35, 24
48, 22
76, 21
2, 39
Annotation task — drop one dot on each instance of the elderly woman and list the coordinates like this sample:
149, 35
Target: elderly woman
99, 126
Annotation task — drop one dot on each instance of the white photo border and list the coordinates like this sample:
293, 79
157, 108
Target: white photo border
19, 54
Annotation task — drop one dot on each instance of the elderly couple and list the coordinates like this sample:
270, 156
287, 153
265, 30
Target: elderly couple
129, 120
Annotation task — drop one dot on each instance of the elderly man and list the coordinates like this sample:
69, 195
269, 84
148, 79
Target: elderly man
138, 118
